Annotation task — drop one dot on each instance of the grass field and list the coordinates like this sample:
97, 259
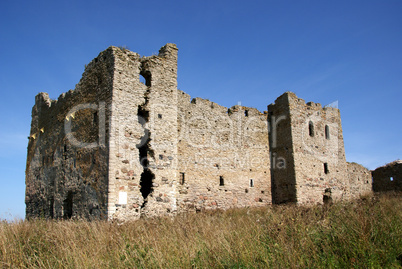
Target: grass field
361, 234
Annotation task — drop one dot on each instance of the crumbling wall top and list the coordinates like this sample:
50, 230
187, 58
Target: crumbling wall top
43, 98
290, 98
168, 50
391, 164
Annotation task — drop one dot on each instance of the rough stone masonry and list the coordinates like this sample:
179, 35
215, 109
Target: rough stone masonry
127, 143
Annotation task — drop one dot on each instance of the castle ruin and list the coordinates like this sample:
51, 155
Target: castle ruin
388, 177
127, 143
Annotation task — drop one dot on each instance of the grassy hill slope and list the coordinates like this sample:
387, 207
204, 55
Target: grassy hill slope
358, 234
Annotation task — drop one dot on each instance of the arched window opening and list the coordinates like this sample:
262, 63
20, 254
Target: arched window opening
311, 129
326, 132
251, 182
145, 78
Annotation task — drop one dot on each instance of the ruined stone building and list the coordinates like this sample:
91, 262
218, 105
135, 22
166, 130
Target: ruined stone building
127, 143
388, 177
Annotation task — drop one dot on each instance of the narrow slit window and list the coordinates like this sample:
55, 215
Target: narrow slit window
311, 129
68, 206
326, 171
95, 118
65, 152
326, 132
251, 182
221, 181
182, 178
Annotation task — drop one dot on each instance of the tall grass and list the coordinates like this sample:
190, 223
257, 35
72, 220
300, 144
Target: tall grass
361, 234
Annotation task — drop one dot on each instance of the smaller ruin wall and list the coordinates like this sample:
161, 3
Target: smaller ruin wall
388, 177
360, 180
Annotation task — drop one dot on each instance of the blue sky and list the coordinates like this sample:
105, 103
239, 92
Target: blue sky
229, 51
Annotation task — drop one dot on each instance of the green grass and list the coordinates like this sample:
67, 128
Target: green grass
361, 234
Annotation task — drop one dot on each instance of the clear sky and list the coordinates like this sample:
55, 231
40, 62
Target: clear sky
229, 51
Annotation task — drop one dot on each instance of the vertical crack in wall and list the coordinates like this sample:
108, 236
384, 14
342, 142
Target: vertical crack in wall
145, 151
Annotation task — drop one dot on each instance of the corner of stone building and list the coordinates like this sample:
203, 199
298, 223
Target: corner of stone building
314, 146
142, 151
61, 178
42, 101
42, 98
282, 159
170, 50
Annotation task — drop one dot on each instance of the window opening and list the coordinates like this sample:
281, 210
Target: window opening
311, 129
51, 207
221, 181
251, 182
95, 118
182, 178
145, 78
326, 171
65, 152
326, 132
68, 206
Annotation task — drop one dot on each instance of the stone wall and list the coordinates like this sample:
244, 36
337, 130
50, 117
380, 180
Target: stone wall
320, 164
67, 172
388, 177
309, 139
169, 154
127, 143
283, 177
143, 148
360, 180
223, 156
